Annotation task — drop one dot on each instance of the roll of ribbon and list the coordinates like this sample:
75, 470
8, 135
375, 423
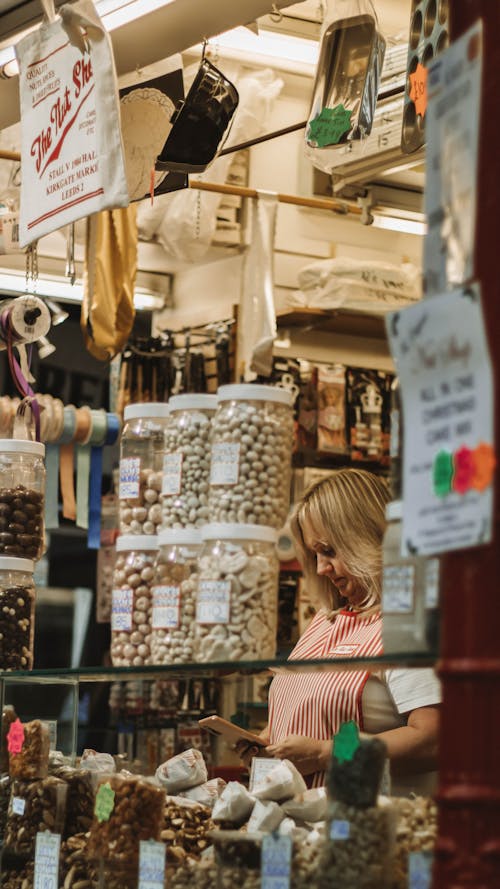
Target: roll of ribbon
98, 438
67, 463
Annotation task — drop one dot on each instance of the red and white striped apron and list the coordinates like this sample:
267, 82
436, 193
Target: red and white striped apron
316, 704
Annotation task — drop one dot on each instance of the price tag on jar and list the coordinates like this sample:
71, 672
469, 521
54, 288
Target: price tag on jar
166, 607
47, 850
420, 870
214, 602
18, 805
225, 464
130, 477
276, 862
151, 865
172, 474
340, 830
121, 610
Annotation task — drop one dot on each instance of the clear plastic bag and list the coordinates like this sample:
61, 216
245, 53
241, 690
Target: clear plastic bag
347, 79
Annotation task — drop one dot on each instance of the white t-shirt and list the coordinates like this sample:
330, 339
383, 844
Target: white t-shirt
388, 697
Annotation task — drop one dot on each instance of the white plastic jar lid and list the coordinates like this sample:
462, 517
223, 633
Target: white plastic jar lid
146, 410
228, 531
18, 446
193, 401
249, 392
11, 563
394, 510
129, 542
171, 536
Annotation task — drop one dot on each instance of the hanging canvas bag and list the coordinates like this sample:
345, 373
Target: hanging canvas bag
71, 147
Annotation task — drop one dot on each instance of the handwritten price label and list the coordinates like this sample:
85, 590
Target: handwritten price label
47, 860
418, 89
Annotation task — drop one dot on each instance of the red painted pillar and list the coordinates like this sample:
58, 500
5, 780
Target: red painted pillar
468, 847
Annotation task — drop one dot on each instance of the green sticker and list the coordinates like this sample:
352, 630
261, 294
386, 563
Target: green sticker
442, 473
346, 742
104, 802
329, 126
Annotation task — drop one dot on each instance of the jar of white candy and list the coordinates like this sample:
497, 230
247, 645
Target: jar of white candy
132, 600
237, 594
251, 455
174, 596
141, 460
186, 464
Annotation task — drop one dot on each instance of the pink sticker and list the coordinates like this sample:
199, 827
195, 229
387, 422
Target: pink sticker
15, 737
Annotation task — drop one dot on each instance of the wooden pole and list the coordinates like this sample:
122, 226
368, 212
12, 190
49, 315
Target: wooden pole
468, 846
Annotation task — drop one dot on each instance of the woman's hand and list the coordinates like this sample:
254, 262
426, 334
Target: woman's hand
246, 751
308, 755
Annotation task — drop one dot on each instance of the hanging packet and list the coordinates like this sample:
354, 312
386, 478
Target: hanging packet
71, 148
347, 79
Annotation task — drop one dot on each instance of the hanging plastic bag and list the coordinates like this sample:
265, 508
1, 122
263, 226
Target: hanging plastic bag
347, 79
71, 149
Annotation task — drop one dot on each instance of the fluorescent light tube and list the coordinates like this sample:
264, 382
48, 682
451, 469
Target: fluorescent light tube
62, 290
400, 224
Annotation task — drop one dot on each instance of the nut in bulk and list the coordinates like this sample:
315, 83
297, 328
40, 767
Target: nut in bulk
142, 515
184, 499
175, 644
362, 855
416, 831
16, 627
44, 808
256, 487
137, 815
133, 577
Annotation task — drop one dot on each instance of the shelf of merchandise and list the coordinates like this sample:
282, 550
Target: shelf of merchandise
219, 668
342, 321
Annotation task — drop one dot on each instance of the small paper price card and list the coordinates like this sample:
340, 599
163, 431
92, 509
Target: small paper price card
47, 860
172, 474
214, 602
276, 862
261, 766
18, 805
419, 870
151, 865
15, 737
130, 476
225, 464
340, 830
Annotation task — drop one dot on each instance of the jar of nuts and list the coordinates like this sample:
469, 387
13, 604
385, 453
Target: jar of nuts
174, 596
237, 593
251, 455
141, 460
22, 498
132, 600
186, 465
17, 613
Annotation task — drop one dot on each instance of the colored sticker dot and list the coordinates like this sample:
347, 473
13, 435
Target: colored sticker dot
418, 89
15, 737
104, 802
346, 742
484, 462
442, 473
463, 464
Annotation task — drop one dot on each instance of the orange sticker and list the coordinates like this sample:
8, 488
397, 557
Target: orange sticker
15, 737
484, 463
418, 91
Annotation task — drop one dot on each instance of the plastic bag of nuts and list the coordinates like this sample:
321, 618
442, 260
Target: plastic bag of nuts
132, 600
250, 468
8, 717
75, 867
80, 798
416, 831
32, 761
34, 806
133, 811
186, 464
4, 803
358, 852
174, 596
141, 460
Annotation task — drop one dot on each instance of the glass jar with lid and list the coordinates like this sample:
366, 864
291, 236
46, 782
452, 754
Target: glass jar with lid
141, 460
22, 498
174, 596
251, 455
17, 613
237, 593
186, 464
132, 600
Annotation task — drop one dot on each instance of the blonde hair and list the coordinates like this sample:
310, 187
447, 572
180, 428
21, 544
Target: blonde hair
347, 512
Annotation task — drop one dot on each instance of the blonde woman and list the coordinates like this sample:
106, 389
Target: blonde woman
338, 528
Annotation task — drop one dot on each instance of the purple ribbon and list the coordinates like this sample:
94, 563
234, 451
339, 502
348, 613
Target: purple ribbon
20, 382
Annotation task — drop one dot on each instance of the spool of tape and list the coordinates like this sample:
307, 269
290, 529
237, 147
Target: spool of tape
285, 545
29, 318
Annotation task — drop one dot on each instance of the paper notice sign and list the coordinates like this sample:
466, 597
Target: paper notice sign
172, 474
441, 352
151, 865
276, 862
130, 475
47, 850
214, 602
225, 464
166, 607
121, 610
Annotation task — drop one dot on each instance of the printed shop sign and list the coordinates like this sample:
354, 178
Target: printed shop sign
71, 149
442, 357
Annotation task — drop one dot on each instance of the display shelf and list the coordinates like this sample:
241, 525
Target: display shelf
116, 674
344, 321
